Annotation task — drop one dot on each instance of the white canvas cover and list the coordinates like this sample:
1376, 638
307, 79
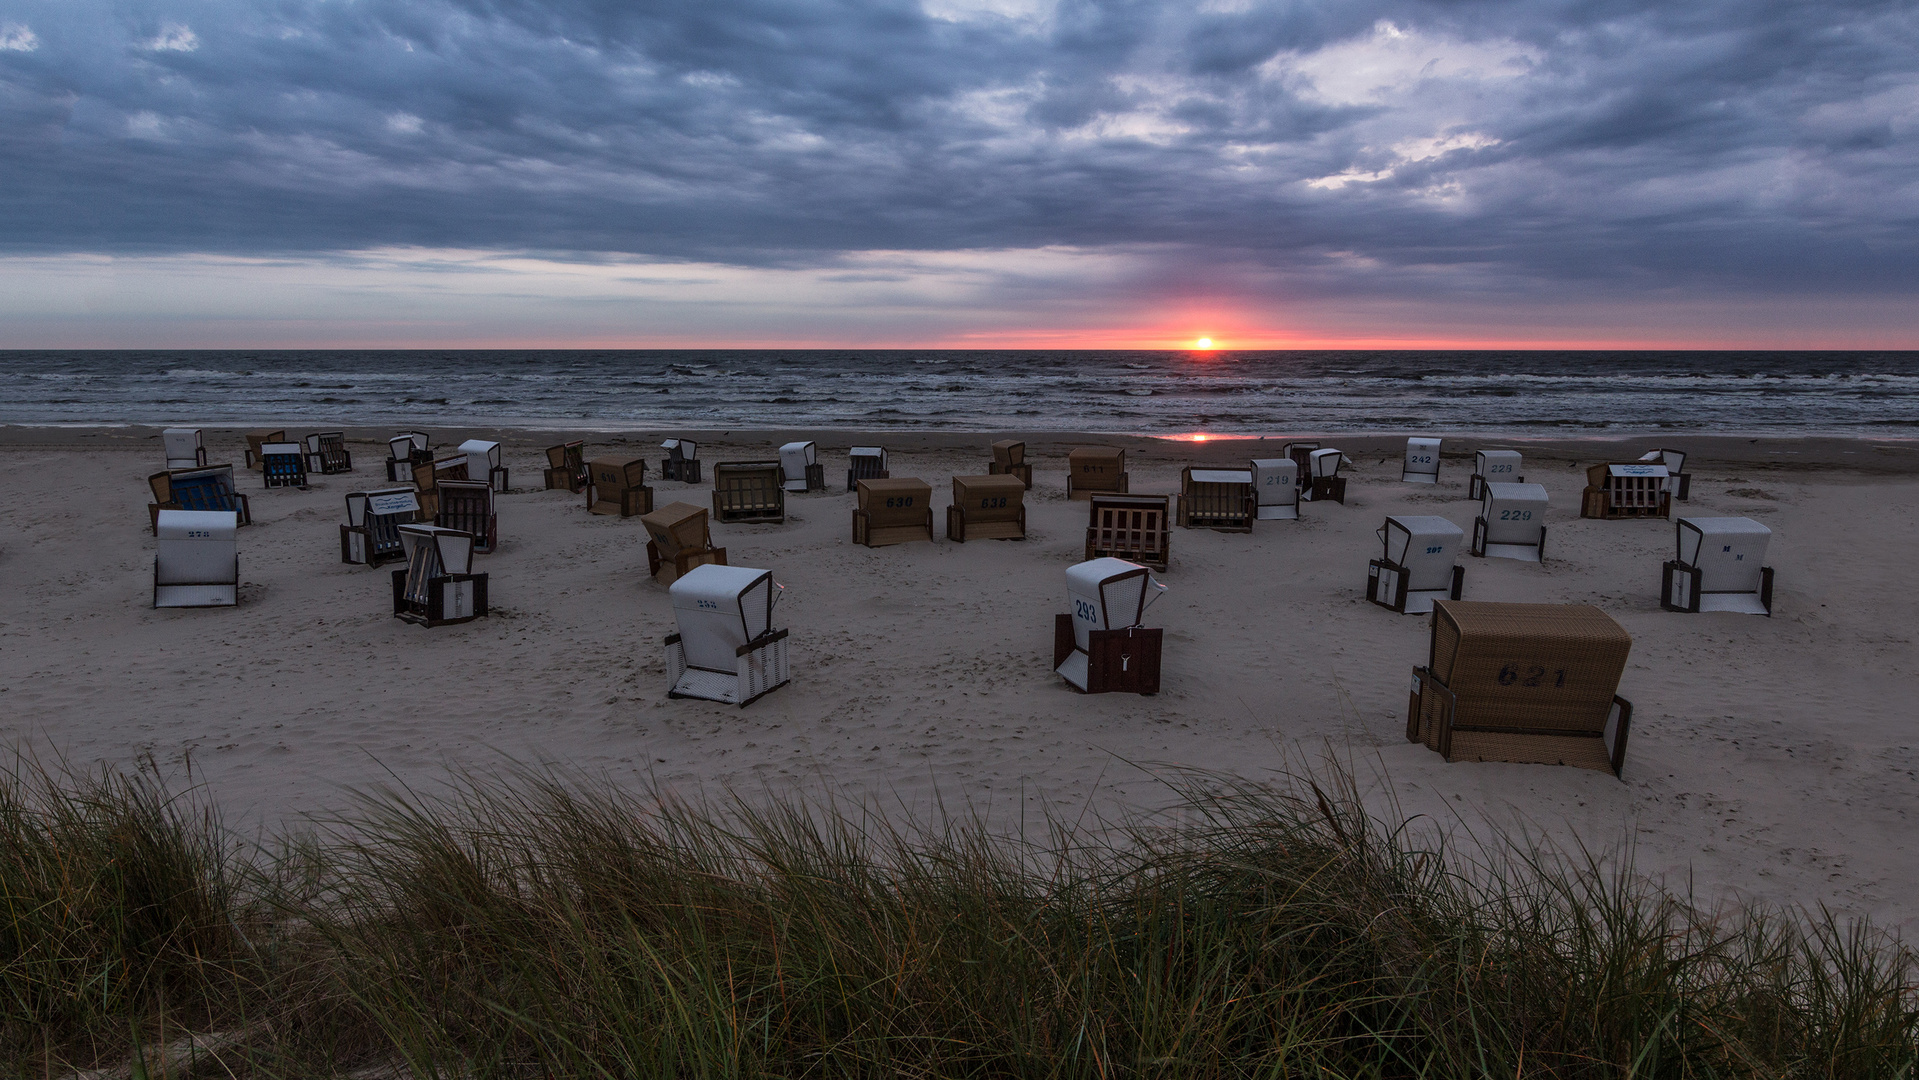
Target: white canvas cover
1515, 516
399, 446
182, 447
1276, 488
1673, 460
1104, 594
1222, 476
869, 452
196, 562
1326, 463
719, 609
482, 458
433, 552
1427, 546
390, 501
685, 449
280, 449
1730, 553
1422, 462
795, 457
1496, 466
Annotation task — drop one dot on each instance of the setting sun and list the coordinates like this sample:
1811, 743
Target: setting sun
1203, 343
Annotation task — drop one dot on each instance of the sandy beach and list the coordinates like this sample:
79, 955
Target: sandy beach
1776, 759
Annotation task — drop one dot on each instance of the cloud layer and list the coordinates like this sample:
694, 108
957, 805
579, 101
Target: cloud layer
1295, 149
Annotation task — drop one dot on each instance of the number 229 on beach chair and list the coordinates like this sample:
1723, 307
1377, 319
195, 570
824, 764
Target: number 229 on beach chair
1511, 522
438, 586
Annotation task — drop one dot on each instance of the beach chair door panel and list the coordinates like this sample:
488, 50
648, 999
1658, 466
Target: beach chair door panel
1124, 661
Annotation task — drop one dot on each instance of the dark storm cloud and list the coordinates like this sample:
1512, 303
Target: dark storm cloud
1334, 145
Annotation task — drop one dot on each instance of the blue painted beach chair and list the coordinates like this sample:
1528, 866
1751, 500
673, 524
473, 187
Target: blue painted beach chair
283, 464
206, 489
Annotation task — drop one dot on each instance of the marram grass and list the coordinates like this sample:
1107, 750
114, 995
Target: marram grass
543, 926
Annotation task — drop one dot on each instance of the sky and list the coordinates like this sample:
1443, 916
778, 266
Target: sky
962, 173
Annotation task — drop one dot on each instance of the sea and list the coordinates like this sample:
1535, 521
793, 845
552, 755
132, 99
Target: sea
1121, 392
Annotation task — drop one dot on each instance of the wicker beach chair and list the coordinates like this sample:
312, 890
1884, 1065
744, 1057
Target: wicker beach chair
1720, 567
196, 560
896, 510
327, 453
1534, 683
748, 492
1493, 467
1095, 469
865, 463
1100, 647
438, 586
1626, 490
566, 467
1418, 565
1137, 528
257, 439
1511, 522
1680, 481
1217, 499
617, 487
371, 533
183, 448
483, 463
1276, 489
682, 461
1422, 462
209, 488
800, 468
467, 506
283, 464
678, 540
728, 647
427, 476
1009, 459
987, 508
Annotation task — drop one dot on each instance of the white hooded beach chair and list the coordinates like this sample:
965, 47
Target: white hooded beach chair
1101, 647
1511, 522
1276, 487
283, 464
1422, 462
728, 648
1326, 483
1493, 467
405, 450
1720, 567
1679, 481
682, 461
483, 463
438, 585
1621, 490
197, 561
1217, 499
1418, 566
371, 534
183, 448
327, 453
800, 468
865, 463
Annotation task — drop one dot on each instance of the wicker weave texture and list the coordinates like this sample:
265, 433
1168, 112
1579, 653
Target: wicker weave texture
1550, 666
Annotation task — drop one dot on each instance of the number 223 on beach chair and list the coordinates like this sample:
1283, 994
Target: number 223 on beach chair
1100, 647
196, 562
438, 586
728, 648
1493, 467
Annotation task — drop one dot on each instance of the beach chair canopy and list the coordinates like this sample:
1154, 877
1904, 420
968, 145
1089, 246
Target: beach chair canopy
1554, 666
1009, 452
681, 449
617, 474
1426, 546
1221, 476
1326, 463
1422, 461
1673, 460
795, 459
720, 610
183, 448
196, 563
1730, 552
1496, 466
400, 447
867, 457
1108, 594
482, 457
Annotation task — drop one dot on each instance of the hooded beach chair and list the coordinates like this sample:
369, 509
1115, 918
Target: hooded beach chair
1091, 469
566, 467
1533, 683
728, 648
371, 534
467, 506
748, 492
427, 476
196, 562
1325, 481
800, 468
617, 487
405, 450
865, 463
1679, 481
183, 448
438, 585
483, 463
1422, 462
1101, 647
1418, 565
987, 508
257, 439
682, 461
1218, 499
1138, 528
1721, 567
1493, 467
327, 453
209, 488
1009, 459
1621, 490
1511, 522
283, 464
893, 511
678, 540
1301, 454
1276, 489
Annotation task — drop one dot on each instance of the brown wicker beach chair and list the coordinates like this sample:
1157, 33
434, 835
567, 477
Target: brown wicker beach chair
679, 540
987, 508
618, 487
1009, 459
1093, 469
1219, 499
566, 467
893, 511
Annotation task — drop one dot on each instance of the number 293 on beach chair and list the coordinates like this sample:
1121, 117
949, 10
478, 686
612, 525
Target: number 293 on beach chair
1720, 567
196, 562
371, 534
728, 648
1418, 564
438, 585
1100, 646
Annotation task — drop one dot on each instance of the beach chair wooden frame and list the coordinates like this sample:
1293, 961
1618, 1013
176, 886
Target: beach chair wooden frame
406, 450
617, 487
283, 465
1528, 683
427, 476
1493, 467
748, 493
1626, 490
467, 506
370, 535
1219, 499
1422, 462
485, 462
865, 463
679, 539
1325, 482
327, 453
257, 439
566, 467
1675, 462
1275, 489
183, 448
1009, 459
893, 511
196, 562
1408, 577
800, 468
759, 664
987, 508
437, 587
682, 461
206, 488
1137, 528
1096, 469
1511, 523
1701, 579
